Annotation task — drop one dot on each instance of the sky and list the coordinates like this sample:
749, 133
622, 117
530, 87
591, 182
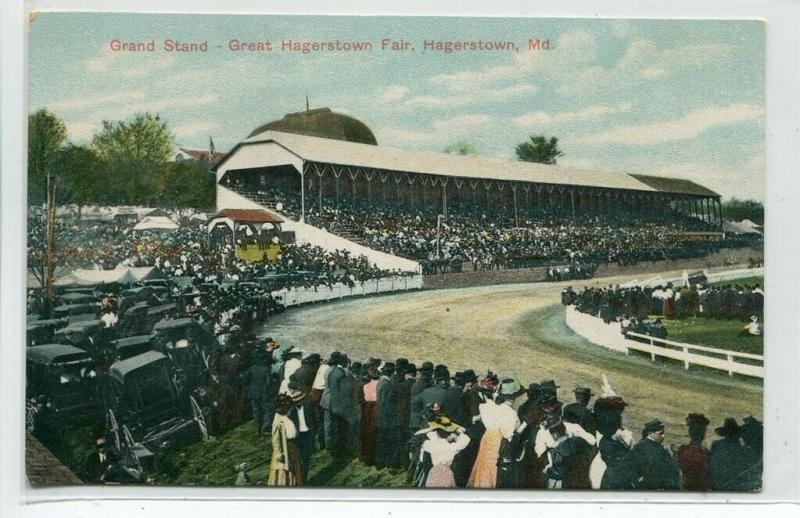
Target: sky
679, 98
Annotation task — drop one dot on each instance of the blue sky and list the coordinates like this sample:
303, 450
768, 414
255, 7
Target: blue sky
668, 97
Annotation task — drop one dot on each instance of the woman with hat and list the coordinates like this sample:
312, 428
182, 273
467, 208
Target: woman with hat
501, 422
728, 458
614, 467
286, 466
443, 440
693, 458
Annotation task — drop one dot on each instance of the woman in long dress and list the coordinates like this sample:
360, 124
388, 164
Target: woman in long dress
443, 440
286, 468
501, 422
369, 419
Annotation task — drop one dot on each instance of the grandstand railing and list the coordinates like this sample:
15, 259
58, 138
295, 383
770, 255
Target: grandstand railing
610, 336
302, 295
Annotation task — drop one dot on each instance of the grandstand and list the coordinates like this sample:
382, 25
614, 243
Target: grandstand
312, 178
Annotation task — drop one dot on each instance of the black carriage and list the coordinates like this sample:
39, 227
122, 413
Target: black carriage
133, 320
189, 346
124, 348
148, 412
42, 331
89, 335
61, 386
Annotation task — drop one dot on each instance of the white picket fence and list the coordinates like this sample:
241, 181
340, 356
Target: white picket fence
610, 336
298, 296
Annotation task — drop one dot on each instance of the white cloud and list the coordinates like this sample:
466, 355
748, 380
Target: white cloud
512, 91
393, 93
591, 113
643, 59
461, 123
435, 102
653, 72
129, 64
195, 128
85, 103
82, 130
687, 127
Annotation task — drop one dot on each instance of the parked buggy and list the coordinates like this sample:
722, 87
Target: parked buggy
61, 386
148, 412
41, 331
188, 345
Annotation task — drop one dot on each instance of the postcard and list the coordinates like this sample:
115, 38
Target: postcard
395, 252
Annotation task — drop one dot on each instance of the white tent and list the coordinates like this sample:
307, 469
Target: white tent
745, 226
156, 223
81, 277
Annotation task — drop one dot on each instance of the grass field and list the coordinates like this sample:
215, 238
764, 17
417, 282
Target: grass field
213, 464
724, 334
756, 279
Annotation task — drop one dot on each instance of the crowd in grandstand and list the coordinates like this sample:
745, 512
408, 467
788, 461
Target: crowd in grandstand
463, 430
543, 236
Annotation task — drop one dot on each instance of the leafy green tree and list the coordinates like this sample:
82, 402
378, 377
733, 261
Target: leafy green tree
186, 185
83, 179
736, 209
46, 137
539, 149
462, 148
134, 154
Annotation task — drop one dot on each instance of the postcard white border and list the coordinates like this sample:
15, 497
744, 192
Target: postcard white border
782, 458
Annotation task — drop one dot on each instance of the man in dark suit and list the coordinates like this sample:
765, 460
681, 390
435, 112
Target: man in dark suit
403, 379
580, 410
337, 401
387, 417
655, 467
448, 398
302, 380
423, 380
257, 379
728, 458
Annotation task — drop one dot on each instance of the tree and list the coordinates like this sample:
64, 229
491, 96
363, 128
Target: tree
186, 185
83, 178
134, 154
539, 149
462, 148
737, 210
46, 136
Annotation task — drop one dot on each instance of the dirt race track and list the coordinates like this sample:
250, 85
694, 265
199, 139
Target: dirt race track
515, 330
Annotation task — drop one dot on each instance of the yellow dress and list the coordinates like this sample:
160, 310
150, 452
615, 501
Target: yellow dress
286, 467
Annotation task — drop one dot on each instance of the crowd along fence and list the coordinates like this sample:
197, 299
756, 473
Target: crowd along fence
302, 295
610, 336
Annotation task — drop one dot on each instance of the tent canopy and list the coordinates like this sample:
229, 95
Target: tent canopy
156, 223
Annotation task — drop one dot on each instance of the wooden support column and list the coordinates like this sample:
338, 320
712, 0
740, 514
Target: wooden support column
516, 215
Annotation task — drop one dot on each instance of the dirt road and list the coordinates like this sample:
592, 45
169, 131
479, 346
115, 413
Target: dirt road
514, 330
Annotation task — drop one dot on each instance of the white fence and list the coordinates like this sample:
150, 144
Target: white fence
610, 336
298, 296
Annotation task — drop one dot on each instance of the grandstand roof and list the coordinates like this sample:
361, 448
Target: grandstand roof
674, 185
248, 215
322, 150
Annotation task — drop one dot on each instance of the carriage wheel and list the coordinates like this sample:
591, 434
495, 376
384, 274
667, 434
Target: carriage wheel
113, 429
30, 417
199, 418
131, 460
